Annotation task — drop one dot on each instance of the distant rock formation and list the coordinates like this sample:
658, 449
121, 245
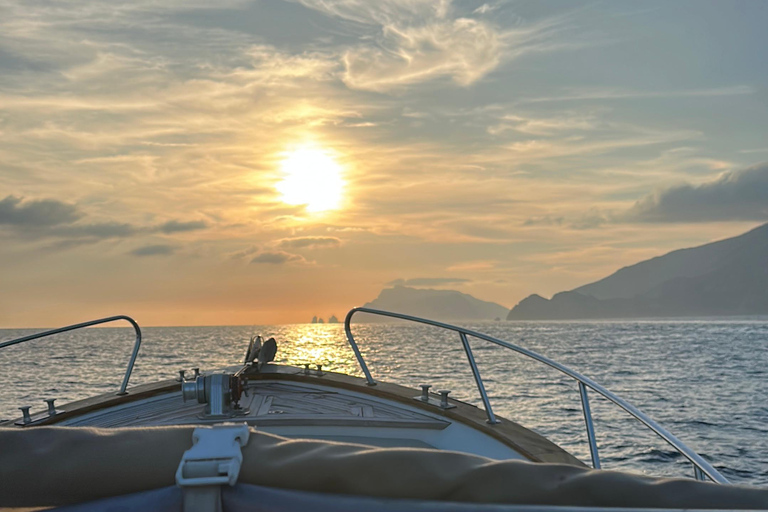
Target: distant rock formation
314, 319
333, 320
725, 278
434, 304
320, 321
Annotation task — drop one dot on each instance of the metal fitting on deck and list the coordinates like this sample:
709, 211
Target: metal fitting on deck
220, 392
425, 398
51, 407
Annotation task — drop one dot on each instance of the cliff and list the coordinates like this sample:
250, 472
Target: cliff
724, 278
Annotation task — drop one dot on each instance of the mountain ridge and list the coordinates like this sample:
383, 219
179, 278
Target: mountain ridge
723, 278
436, 304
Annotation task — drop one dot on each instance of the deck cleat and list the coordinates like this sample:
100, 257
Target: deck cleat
444, 399
26, 418
51, 407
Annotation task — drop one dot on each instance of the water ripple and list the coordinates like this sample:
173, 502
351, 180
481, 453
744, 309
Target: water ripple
704, 380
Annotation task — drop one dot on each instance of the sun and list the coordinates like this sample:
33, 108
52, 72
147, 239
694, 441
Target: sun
311, 177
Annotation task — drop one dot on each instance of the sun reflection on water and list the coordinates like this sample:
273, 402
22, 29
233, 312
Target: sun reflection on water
314, 344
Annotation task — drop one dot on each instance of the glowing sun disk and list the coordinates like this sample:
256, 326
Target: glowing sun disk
313, 178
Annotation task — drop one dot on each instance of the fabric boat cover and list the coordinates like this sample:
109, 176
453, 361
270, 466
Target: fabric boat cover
54, 466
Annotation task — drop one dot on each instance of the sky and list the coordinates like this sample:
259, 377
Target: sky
261, 162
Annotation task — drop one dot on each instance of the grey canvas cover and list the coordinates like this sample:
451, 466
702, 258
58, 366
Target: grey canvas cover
53, 466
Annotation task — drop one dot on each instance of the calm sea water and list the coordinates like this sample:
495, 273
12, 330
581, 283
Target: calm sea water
706, 381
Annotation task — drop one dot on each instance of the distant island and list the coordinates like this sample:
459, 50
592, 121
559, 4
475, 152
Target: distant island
725, 278
434, 304
331, 320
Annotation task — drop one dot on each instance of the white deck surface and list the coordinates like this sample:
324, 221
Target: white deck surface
311, 411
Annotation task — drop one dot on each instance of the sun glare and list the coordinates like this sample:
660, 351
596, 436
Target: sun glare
313, 178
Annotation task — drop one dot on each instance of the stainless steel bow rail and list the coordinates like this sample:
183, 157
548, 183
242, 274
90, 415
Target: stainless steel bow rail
701, 467
51, 332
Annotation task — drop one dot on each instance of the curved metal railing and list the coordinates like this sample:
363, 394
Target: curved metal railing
82, 325
701, 467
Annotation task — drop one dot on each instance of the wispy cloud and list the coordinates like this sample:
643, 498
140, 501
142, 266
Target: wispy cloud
545, 220
153, 250
276, 258
95, 231
420, 41
623, 94
175, 226
462, 49
429, 281
309, 242
536, 125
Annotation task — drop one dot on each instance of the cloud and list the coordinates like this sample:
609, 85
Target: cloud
276, 257
309, 242
244, 253
481, 229
462, 49
273, 67
620, 94
485, 9
36, 213
472, 266
50, 218
154, 250
544, 126
544, 220
428, 281
734, 196
593, 218
98, 230
175, 226
415, 41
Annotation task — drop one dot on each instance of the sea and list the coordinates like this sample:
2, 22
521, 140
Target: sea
705, 381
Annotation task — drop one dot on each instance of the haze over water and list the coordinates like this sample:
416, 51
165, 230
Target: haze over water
705, 381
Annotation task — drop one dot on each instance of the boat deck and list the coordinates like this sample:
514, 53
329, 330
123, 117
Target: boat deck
301, 403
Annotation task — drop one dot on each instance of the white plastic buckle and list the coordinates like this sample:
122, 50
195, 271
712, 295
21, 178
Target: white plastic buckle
215, 456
